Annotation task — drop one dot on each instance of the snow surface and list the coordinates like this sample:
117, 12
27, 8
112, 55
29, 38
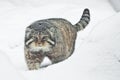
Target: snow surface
7, 71
96, 55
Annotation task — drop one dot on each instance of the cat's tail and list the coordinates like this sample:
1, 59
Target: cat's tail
84, 21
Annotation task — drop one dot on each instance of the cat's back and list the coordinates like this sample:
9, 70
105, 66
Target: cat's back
60, 22
68, 34
64, 25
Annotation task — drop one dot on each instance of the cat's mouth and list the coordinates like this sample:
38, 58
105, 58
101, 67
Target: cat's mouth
40, 47
41, 50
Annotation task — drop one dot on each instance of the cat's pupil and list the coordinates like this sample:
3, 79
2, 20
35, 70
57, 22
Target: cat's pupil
44, 38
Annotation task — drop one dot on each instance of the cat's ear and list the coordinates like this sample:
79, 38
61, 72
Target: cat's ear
28, 32
28, 29
52, 29
52, 32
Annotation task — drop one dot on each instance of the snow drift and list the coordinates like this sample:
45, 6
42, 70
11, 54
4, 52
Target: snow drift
96, 55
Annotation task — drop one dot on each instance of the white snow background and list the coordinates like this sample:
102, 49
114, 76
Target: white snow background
97, 50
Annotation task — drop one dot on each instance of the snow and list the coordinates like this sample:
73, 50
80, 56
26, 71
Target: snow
7, 71
115, 4
96, 55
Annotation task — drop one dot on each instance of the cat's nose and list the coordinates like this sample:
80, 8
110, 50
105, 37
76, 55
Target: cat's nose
39, 42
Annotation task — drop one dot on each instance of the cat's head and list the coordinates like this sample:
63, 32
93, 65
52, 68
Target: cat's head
39, 37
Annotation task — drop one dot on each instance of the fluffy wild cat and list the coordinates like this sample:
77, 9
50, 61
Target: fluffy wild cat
53, 38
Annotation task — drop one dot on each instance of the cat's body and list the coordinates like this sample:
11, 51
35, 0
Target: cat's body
53, 38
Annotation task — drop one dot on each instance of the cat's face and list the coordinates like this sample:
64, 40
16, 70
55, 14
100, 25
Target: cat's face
39, 41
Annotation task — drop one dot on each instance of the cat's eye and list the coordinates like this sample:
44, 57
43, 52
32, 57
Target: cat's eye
35, 38
44, 38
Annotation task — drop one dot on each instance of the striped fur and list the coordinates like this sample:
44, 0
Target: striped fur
84, 21
53, 38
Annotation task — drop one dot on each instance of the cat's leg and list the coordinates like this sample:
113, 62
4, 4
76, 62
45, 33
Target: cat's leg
33, 65
33, 61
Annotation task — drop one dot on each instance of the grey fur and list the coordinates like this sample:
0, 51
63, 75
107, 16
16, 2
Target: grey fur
53, 38
84, 21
